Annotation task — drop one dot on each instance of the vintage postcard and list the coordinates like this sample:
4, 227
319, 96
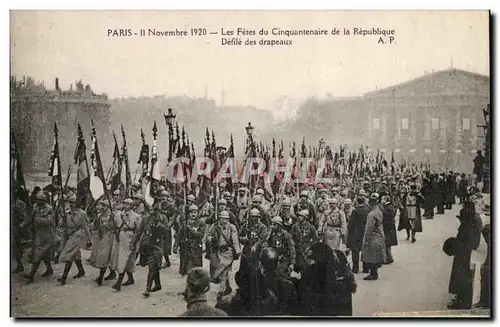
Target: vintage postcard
250, 163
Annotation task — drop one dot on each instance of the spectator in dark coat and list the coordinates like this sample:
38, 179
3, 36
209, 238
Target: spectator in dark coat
327, 284
462, 189
391, 239
467, 239
440, 195
356, 231
429, 193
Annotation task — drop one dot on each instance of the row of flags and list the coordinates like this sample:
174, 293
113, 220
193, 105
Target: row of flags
92, 182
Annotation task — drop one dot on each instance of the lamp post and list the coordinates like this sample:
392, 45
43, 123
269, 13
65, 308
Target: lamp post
169, 120
249, 130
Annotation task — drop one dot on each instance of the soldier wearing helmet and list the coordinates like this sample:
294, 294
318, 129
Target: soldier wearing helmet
76, 232
252, 233
44, 236
303, 234
286, 214
332, 228
305, 204
190, 241
281, 241
225, 248
322, 202
257, 201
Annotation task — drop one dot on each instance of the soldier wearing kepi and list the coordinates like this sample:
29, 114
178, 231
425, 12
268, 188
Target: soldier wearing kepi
303, 234
190, 241
153, 229
123, 257
332, 228
281, 241
225, 244
77, 232
44, 236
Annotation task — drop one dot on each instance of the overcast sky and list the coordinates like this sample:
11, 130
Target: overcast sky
73, 45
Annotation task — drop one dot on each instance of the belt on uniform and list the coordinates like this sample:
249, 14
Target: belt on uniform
223, 248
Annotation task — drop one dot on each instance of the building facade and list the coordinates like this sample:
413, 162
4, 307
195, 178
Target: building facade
433, 118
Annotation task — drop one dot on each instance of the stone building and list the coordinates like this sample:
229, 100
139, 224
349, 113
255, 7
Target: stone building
433, 118
34, 109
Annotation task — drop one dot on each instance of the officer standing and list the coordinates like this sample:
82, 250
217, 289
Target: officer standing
252, 232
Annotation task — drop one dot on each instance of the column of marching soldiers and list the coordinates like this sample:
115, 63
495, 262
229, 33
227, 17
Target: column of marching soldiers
127, 222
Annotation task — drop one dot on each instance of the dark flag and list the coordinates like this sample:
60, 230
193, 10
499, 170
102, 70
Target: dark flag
143, 158
116, 169
83, 175
18, 184
55, 161
125, 165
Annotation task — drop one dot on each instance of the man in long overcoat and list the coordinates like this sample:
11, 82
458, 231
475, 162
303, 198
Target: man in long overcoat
373, 250
356, 230
44, 236
123, 258
77, 233
391, 239
190, 241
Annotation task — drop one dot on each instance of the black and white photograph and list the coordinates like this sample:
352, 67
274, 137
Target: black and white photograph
250, 164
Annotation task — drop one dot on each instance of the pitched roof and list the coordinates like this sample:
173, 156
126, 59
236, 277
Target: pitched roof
447, 82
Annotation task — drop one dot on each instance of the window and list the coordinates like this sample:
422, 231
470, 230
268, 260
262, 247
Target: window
466, 124
376, 124
405, 123
435, 123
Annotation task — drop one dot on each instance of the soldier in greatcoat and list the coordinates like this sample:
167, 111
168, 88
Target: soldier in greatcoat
151, 231
75, 237
190, 241
43, 242
281, 241
107, 229
225, 248
19, 216
252, 232
303, 234
286, 214
373, 250
305, 204
123, 258
332, 226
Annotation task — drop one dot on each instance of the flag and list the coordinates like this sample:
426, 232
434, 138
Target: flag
97, 181
125, 165
19, 185
143, 158
55, 161
82, 175
116, 181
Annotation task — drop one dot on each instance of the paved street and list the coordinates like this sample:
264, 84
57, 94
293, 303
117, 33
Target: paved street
416, 281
